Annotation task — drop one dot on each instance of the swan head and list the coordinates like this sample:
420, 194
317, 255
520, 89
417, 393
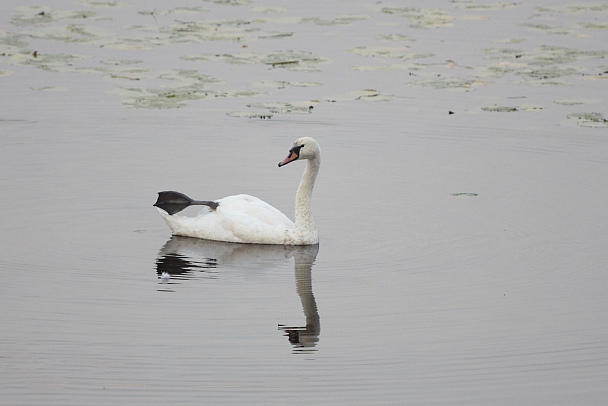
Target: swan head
303, 148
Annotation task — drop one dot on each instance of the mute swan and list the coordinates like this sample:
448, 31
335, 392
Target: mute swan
247, 219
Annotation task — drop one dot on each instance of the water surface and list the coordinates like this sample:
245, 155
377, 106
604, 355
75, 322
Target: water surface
461, 202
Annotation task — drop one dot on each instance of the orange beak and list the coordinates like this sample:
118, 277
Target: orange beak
293, 155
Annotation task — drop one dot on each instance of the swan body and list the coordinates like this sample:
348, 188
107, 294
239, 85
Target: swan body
247, 219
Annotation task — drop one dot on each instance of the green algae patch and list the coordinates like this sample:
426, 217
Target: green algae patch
593, 120
500, 109
421, 18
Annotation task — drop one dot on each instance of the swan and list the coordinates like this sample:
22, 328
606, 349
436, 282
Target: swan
247, 219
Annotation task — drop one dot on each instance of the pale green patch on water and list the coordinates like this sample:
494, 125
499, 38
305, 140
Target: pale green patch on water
395, 38
547, 29
396, 66
594, 26
422, 18
102, 4
53, 62
270, 9
593, 120
294, 60
120, 62
388, 52
291, 60
340, 20
545, 65
575, 8
448, 83
500, 109
189, 85
282, 84
4, 73
474, 5
303, 107
230, 2
574, 102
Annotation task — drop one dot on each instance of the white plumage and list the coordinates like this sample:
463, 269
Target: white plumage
247, 219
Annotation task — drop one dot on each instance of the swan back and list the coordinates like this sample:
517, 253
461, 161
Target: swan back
247, 219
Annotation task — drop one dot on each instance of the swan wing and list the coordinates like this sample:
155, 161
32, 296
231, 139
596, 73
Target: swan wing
240, 218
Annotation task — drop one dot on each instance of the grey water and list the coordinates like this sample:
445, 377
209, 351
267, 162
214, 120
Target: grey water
461, 202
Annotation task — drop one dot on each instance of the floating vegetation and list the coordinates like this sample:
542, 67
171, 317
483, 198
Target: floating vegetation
282, 84
292, 60
230, 2
572, 102
501, 109
383, 52
53, 62
547, 29
305, 107
340, 20
594, 120
248, 114
421, 18
575, 8
395, 38
471, 5
399, 66
543, 65
448, 83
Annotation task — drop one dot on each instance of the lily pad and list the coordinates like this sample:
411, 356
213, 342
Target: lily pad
501, 109
594, 120
285, 108
422, 17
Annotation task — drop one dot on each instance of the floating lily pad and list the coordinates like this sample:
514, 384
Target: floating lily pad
395, 38
594, 120
471, 5
421, 18
340, 20
449, 83
573, 102
230, 2
103, 4
54, 62
501, 109
285, 108
248, 114
293, 60
281, 84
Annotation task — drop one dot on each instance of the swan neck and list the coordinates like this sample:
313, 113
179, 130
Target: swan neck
303, 213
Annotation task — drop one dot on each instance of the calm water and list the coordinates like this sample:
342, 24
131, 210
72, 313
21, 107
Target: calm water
462, 256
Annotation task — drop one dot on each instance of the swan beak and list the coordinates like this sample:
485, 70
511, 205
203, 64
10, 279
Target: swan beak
293, 155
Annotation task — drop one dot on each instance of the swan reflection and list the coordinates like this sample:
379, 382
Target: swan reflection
183, 258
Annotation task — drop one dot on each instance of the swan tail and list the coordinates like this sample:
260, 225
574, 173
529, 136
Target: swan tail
174, 202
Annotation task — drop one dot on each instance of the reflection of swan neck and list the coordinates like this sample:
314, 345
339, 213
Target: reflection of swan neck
303, 215
303, 269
